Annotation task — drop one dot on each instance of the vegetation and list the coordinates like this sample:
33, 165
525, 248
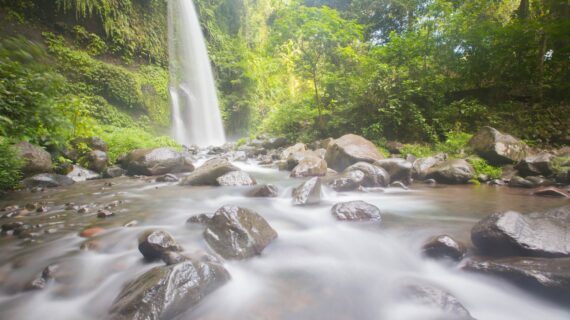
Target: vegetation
10, 165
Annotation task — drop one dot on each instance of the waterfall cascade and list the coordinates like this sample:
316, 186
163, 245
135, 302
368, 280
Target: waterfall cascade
196, 118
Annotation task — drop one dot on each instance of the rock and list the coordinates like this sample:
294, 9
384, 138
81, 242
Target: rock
295, 157
508, 172
552, 192
539, 181
309, 192
536, 234
394, 147
398, 184
321, 153
275, 143
421, 166
497, 148
171, 257
483, 178
156, 161
209, 172
549, 277
430, 181
238, 233
36, 159
79, 174
97, 160
350, 149
239, 156
47, 180
166, 291
374, 176
153, 243
104, 213
356, 211
433, 297
310, 167
42, 279
90, 232
93, 143
398, 169
169, 177
299, 147
263, 190
540, 164
201, 218
452, 171
236, 178
114, 172
347, 181
444, 246
519, 182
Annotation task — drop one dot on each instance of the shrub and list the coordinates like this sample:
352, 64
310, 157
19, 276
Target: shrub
455, 144
482, 167
10, 165
417, 150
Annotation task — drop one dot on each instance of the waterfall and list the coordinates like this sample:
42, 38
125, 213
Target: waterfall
196, 115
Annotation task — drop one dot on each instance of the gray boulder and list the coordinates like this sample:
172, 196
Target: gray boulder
238, 233
157, 161
520, 182
299, 147
154, 243
421, 166
356, 211
79, 174
114, 172
47, 180
542, 234
236, 178
36, 159
96, 160
540, 164
398, 169
452, 171
166, 291
310, 167
348, 181
209, 172
350, 149
263, 191
309, 192
444, 247
498, 148
374, 176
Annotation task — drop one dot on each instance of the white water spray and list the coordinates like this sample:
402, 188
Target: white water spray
196, 115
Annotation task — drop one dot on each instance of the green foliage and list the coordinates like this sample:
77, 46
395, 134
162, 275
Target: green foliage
417, 150
92, 42
482, 167
10, 165
455, 144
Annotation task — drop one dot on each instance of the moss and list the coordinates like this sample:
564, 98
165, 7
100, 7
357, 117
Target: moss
482, 167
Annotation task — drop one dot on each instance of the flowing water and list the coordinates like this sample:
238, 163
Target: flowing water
196, 118
318, 268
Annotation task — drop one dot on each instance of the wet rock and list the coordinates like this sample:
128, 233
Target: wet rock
263, 190
295, 157
452, 171
156, 161
444, 247
91, 232
239, 156
104, 213
238, 233
36, 159
42, 279
498, 148
166, 291
520, 182
347, 181
421, 166
394, 147
209, 172
356, 211
97, 160
299, 147
540, 164
508, 172
236, 178
310, 167
398, 184
549, 277
374, 176
114, 172
169, 177
79, 174
47, 180
434, 297
350, 149
171, 257
430, 181
201, 218
483, 178
153, 243
552, 192
275, 143
398, 169
536, 234
309, 192
539, 181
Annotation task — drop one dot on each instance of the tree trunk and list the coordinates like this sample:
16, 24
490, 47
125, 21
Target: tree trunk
523, 10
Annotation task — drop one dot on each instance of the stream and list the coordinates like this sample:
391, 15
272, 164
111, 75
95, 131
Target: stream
317, 268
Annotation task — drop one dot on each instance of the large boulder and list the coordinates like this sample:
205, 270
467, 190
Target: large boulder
498, 148
421, 166
543, 234
548, 277
47, 180
154, 243
209, 172
452, 171
93, 143
36, 159
310, 167
295, 157
236, 178
114, 172
79, 174
299, 147
444, 247
164, 292
350, 149
374, 176
309, 192
238, 233
96, 160
263, 191
156, 161
539, 164
356, 211
348, 181
398, 169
